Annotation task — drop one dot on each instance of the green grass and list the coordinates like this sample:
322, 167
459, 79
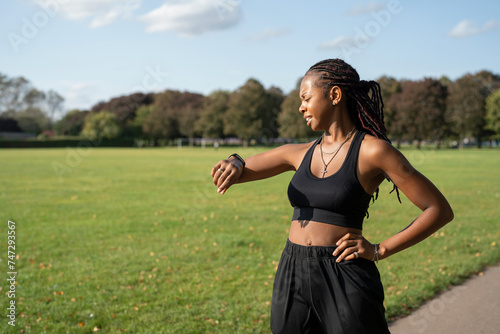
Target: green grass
139, 241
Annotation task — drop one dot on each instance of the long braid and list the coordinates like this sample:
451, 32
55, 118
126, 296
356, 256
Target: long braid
364, 98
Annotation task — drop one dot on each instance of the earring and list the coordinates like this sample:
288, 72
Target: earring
334, 103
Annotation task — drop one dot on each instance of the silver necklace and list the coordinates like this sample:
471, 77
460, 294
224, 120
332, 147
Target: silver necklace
325, 165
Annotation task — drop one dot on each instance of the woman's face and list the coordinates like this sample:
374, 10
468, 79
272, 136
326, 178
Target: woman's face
316, 108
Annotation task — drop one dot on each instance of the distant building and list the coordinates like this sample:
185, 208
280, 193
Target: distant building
16, 135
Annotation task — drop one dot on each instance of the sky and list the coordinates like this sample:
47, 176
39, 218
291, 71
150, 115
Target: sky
91, 50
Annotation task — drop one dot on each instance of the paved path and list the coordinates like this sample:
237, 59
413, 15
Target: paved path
473, 307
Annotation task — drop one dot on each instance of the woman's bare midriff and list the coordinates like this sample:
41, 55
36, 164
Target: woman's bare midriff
312, 233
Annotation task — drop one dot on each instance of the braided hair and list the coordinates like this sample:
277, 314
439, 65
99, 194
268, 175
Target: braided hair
364, 98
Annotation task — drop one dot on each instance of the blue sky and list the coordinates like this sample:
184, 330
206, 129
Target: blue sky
91, 50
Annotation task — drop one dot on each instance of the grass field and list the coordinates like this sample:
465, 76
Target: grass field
139, 241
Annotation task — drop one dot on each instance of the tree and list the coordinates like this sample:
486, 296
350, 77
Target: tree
103, 124
162, 122
291, 121
276, 98
32, 120
249, 112
34, 98
160, 125
26, 104
54, 103
466, 104
445, 81
398, 120
493, 113
72, 123
12, 94
388, 87
420, 110
177, 112
186, 110
125, 106
211, 119
135, 126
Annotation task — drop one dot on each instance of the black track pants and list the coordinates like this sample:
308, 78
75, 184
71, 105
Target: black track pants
314, 294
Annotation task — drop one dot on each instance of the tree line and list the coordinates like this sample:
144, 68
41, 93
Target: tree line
24, 108
429, 109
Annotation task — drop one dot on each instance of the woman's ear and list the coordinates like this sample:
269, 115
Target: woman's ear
335, 95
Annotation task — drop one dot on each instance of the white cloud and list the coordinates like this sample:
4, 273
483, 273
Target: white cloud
464, 28
467, 28
366, 8
269, 34
80, 95
344, 42
190, 18
101, 12
490, 25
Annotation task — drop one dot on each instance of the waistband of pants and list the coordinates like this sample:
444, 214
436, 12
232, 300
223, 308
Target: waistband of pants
308, 251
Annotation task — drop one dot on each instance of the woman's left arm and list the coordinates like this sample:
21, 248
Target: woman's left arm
436, 211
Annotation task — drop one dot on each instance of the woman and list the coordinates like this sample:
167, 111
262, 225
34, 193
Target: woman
327, 281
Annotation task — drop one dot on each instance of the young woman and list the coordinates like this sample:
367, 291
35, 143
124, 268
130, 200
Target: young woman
327, 281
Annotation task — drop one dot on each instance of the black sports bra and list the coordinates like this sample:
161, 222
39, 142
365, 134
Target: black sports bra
338, 199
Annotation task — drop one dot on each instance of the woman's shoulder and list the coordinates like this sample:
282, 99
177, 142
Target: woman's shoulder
375, 150
296, 149
296, 152
373, 144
